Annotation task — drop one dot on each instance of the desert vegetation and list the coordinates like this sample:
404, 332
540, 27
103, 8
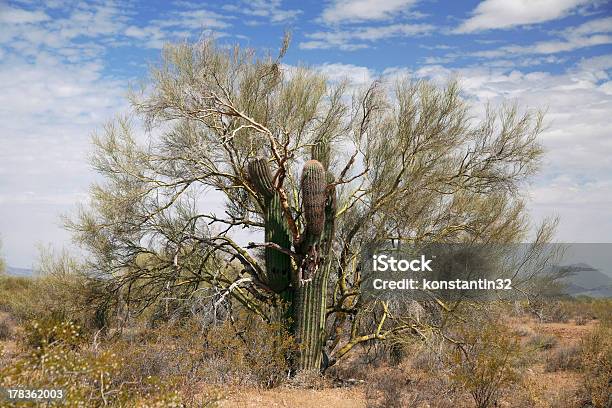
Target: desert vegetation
507, 357
175, 304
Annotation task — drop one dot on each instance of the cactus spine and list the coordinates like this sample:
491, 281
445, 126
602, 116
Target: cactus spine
303, 283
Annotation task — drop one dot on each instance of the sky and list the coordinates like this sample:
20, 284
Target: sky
66, 67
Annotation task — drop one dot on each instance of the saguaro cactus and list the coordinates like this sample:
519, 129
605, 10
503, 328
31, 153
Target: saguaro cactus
302, 282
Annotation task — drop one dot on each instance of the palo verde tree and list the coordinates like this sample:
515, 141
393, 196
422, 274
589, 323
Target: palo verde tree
310, 171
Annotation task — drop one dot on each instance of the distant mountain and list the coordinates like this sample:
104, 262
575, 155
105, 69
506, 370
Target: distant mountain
11, 270
584, 280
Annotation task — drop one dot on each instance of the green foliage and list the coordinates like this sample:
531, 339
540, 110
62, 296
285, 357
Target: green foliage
49, 332
14, 293
485, 361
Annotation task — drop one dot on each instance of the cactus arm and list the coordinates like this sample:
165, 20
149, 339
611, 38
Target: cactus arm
278, 262
261, 177
313, 199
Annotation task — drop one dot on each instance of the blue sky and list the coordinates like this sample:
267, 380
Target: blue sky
65, 68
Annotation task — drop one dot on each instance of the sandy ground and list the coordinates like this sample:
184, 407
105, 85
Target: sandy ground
291, 397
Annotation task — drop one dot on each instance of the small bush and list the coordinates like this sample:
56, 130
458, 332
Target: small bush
241, 351
6, 327
564, 358
485, 361
556, 313
523, 331
41, 334
247, 350
581, 320
597, 366
396, 387
12, 290
426, 360
385, 389
541, 341
312, 379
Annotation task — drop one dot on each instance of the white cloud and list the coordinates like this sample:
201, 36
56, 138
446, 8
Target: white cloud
599, 63
342, 11
50, 110
18, 16
353, 39
589, 34
337, 72
177, 25
270, 9
496, 14
54, 93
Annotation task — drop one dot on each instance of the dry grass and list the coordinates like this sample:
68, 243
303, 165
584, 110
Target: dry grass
564, 358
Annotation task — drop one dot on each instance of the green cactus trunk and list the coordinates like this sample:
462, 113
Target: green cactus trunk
310, 313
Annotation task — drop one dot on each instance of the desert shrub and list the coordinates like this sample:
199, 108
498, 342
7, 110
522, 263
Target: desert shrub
583, 308
6, 327
523, 331
88, 377
386, 389
60, 295
581, 320
597, 366
485, 361
425, 360
12, 290
312, 379
529, 394
564, 358
243, 350
248, 350
556, 312
540, 341
48, 332
396, 387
